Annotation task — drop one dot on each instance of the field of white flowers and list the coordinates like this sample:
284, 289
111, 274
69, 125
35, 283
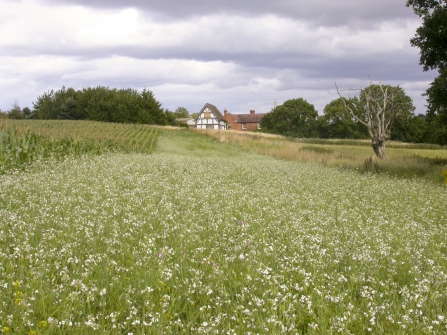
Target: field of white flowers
199, 238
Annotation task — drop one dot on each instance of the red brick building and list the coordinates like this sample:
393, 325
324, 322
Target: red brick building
243, 122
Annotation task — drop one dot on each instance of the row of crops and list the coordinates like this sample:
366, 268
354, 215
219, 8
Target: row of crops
23, 142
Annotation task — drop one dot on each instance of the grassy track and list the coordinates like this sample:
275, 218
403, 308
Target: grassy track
203, 238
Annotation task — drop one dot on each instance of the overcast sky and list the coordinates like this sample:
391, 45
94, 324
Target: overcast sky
238, 55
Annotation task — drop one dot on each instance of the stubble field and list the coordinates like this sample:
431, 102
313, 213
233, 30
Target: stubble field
201, 238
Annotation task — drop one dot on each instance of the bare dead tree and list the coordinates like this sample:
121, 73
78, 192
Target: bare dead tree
382, 104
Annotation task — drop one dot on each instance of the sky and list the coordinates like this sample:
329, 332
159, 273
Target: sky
237, 55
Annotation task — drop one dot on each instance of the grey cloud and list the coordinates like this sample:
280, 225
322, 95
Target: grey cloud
322, 12
398, 65
309, 71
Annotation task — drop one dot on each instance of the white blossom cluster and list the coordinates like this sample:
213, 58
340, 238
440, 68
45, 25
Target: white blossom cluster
200, 238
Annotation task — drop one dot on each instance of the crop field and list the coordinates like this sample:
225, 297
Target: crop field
23, 142
201, 237
133, 137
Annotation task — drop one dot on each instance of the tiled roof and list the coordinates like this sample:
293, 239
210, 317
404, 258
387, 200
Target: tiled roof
248, 118
212, 109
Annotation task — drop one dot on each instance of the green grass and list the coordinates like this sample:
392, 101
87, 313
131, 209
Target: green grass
421, 161
317, 149
367, 143
201, 237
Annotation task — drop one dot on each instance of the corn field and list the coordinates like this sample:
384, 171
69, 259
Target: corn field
23, 142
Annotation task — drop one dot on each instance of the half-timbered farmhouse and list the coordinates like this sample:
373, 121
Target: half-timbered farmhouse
210, 118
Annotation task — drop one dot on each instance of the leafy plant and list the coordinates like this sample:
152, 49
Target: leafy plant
23, 142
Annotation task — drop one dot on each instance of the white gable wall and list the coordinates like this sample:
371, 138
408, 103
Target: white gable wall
208, 120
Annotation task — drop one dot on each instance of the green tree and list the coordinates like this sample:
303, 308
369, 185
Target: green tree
153, 107
437, 109
379, 107
59, 104
418, 128
409, 128
182, 112
337, 122
431, 39
68, 109
296, 118
26, 111
15, 112
95, 103
170, 117
44, 105
101, 104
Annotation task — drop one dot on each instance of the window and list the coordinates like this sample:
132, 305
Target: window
244, 126
207, 115
209, 126
259, 126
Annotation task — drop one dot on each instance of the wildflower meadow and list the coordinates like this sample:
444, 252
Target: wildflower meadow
200, 237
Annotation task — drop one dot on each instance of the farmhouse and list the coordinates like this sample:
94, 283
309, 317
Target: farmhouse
210, 118
244, 122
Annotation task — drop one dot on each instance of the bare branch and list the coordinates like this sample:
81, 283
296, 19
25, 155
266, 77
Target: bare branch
349, 108
380, 107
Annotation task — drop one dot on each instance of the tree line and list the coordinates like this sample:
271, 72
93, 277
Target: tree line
16, 112
296, 117
347, 118
98, 104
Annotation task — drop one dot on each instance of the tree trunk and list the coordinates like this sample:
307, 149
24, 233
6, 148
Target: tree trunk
378, 147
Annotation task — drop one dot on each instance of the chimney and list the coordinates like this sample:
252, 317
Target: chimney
225, 112
252, 111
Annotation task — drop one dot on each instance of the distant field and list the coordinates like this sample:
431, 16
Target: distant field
201, 237
426, 161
